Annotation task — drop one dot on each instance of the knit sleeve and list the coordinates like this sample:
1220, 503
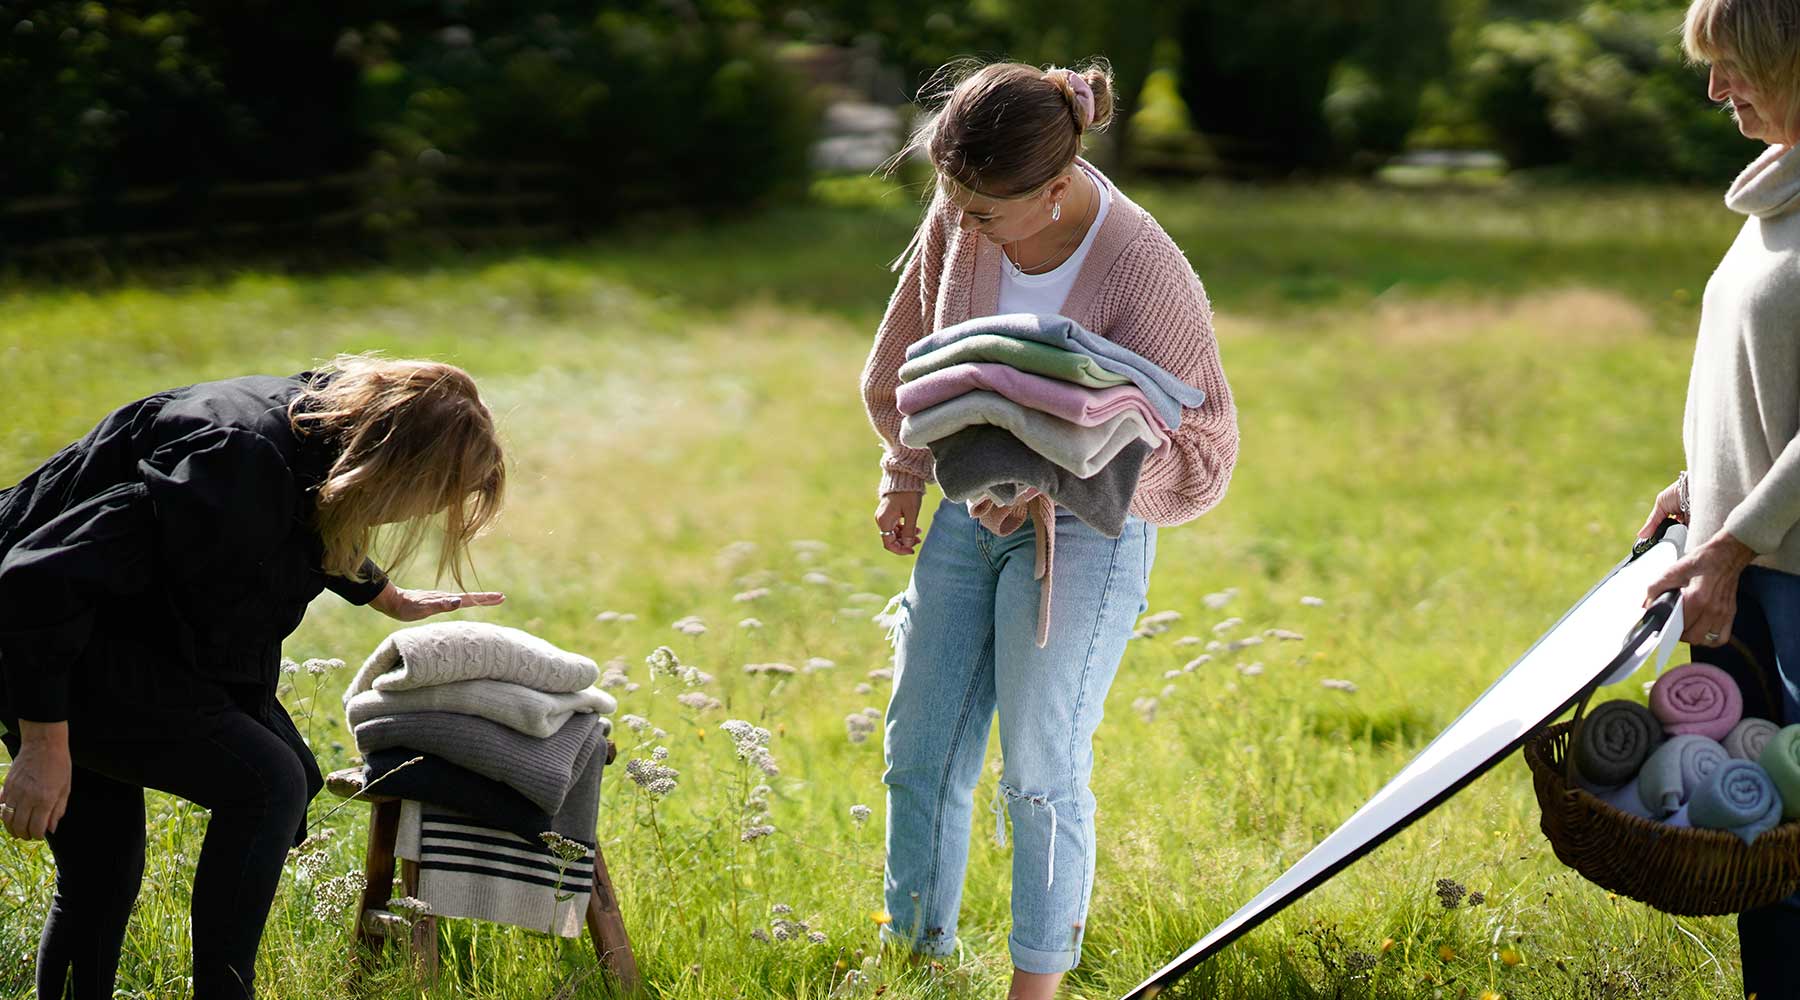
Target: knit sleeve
909, 317
1160, 310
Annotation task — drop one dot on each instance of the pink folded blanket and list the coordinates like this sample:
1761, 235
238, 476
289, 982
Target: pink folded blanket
1074, 403
1698, 699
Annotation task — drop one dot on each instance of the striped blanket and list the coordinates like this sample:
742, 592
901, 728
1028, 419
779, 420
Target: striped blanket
467, 869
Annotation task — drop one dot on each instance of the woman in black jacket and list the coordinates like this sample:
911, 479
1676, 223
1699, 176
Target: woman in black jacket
148, 575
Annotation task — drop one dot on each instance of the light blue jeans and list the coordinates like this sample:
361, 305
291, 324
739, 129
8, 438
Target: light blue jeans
965, 645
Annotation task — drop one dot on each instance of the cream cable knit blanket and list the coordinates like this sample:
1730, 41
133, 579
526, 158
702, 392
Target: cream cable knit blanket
444, 652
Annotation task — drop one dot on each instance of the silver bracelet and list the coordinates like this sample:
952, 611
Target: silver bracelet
1681, 486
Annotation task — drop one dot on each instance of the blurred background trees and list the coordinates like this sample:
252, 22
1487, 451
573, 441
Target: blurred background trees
704, 105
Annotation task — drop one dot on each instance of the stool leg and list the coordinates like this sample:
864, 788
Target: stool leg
424, 929
378, 871
607, 927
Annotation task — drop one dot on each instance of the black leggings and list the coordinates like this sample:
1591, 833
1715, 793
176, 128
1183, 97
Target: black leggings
255, 788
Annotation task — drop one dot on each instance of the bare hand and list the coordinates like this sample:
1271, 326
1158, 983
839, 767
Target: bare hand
36, 792
898, 518
1708, 578
1667, 505
412, 605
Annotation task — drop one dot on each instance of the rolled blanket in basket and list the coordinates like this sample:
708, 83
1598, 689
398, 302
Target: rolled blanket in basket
1614, 741
542, 770
1677, 768
532, 712
1739, 797
1697, 699
1747, 739
442, 652
1781, 758
1624, 798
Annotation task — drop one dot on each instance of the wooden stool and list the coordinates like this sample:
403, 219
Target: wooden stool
375, 924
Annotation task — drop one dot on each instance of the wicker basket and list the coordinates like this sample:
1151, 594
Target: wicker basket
1674, 869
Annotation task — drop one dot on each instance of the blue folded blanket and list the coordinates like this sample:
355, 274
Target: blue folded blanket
1740, 797
1166, 393
1676, 770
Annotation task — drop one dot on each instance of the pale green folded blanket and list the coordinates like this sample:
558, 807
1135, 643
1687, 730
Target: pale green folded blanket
1739, 797
1081, 450
1025, 355
1677, 768
1781, 758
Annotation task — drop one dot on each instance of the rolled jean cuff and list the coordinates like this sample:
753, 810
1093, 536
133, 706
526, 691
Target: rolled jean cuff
941, 948
1040, 962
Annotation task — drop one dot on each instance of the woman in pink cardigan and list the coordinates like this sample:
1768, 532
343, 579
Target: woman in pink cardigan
1020, 223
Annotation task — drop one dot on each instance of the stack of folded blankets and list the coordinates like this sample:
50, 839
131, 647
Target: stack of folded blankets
1024, 409
1691, 759
493, 738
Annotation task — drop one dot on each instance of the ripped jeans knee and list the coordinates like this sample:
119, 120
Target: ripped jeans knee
1039, 807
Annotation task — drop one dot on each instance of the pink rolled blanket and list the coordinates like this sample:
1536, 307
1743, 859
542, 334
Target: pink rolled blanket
1697, 699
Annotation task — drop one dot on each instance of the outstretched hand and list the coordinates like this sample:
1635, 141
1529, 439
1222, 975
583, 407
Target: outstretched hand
405, 605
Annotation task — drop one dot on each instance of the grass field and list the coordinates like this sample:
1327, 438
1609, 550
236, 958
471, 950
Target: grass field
1455, 410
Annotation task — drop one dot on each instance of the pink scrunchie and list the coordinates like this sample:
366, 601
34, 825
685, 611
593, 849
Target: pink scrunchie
1084, 97
1697, 698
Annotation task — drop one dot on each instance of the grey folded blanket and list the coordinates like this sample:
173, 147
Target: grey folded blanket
1748, 738
1676, 770
542, 770
1615, 740
975, 459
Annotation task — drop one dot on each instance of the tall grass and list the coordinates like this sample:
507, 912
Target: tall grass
1455, 410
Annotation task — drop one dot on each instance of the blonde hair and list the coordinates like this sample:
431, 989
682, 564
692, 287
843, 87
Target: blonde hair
1760, 37
1006, 129
414, 441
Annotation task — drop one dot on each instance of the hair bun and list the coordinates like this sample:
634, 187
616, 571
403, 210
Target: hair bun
1098, 75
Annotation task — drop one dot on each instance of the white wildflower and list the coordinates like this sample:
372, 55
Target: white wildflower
882, 674
289, 666
1196, 663
1284, 634
864, 688
816, 937
768, 668
756, 833
1250, 669
319, 667
636, 723
859, 814
699, 701
859, 726
1214, 646
1219, 599
1313, 602
1227, 625
1189, 640
1348, 687
818, 663
1145, 707
750, 623
753, 594
689, 625
817, 579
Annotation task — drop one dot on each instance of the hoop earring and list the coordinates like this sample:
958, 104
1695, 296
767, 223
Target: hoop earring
1056, 212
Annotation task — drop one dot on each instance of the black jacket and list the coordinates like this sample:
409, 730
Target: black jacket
150, 571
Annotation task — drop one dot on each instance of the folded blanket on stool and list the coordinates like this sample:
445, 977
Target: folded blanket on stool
528, 710
468, 868
442, 652
542, 770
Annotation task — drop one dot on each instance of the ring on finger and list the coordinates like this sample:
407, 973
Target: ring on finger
1712, 637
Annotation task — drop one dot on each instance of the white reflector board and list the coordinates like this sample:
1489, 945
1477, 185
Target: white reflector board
1605, 637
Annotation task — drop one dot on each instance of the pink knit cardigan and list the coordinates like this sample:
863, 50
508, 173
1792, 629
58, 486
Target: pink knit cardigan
1134, 288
